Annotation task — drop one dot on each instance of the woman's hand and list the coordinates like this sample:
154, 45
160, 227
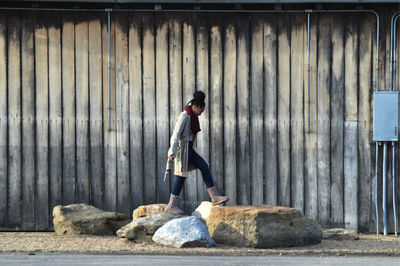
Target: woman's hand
170, 158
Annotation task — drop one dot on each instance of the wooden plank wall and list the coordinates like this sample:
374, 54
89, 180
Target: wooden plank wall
58, 146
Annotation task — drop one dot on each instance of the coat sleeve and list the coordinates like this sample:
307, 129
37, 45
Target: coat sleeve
179, 127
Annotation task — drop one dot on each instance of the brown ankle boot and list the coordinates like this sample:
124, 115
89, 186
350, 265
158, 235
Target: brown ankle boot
215, 198
172, 206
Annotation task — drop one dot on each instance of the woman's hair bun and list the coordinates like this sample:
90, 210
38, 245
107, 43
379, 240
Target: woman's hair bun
199, 96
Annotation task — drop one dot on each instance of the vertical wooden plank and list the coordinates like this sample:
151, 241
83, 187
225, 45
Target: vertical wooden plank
110, 152
270, 113
82, 109
283, 111
202, 84
162, 105
296, 110
216, 106
42, 116
135, 109
350, 126
257, 108
175, 71
310, 113
337, 109
243, 115
149, 115
55, 130
188, 86
14, 125
122, 113
68, 98
96, 115
28, 118
365, 173
3, 119
230, 118
372, 212
323, 107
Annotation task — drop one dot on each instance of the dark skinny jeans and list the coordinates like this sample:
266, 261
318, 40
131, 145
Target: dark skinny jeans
199, 162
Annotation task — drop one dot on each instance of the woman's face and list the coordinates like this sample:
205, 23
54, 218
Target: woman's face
197, 110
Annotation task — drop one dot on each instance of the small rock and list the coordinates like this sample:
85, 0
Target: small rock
339, 234
203, 211
147, 210
78, 219
184, 232
144, 227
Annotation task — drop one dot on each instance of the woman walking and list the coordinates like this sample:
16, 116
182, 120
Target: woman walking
182, 152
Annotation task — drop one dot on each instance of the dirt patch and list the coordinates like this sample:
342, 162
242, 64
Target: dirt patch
33, 242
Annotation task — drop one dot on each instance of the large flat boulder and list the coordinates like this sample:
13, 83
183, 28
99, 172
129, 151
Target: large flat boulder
259, 226
143, 228
147, 210
184, 232
78, 219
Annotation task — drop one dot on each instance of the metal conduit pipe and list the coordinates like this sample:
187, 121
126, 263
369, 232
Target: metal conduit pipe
308, 11
394, 187
394, 16
376, 186
384, 189
109, 67
393, 50
308, 71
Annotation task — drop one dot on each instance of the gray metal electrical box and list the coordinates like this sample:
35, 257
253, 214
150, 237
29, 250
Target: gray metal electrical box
386, 116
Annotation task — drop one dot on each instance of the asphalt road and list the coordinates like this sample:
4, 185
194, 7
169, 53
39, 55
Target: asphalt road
79, 259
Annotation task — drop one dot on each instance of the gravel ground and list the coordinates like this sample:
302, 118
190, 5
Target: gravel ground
34, 242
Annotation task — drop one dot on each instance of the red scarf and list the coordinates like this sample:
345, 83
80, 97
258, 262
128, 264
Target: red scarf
194, 120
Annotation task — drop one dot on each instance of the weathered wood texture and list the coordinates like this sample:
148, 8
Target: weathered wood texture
69, 135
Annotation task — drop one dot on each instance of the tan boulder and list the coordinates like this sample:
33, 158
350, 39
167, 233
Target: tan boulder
78, 219
340, 234
262, 226
147, 210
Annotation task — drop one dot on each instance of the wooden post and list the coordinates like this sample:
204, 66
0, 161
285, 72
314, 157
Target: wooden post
3, 119
42, 129
323, 107
311, 149
202, 84
351, 127
243, 115
14, 122
135, 109
122, 113
216, 107
149, 111
162, 96
337, 112
96, 115
68, 98
175, 71
189, 76
55, 112
284, 111
110, 140
82, 109
257, 108
28, 129
296, 110
230, 118
270, 113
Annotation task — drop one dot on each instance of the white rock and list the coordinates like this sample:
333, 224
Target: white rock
184, 232
203, 211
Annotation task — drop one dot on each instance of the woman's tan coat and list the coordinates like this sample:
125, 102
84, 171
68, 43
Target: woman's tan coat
179, 146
